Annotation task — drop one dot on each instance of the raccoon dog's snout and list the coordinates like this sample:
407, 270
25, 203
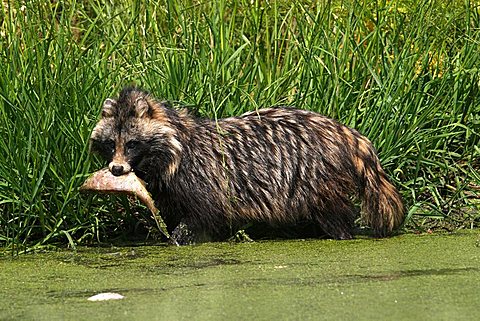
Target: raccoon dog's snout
119, 169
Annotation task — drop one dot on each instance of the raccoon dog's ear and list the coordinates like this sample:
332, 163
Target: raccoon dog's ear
142, 108
108, 108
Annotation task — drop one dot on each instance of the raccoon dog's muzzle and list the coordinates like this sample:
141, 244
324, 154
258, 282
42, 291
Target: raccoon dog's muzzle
120, 162
119, 168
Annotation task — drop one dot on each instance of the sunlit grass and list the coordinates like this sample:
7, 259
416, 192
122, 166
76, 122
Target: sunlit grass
404, 73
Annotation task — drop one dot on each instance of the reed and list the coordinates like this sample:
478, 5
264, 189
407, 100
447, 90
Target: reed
404, 73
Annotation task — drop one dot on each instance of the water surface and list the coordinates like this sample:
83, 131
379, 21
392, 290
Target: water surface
408, 277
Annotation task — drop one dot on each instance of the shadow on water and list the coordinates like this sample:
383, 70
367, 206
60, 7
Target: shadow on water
124, 291
289, 282
409, 273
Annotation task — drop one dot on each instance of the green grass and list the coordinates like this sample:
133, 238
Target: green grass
404, 73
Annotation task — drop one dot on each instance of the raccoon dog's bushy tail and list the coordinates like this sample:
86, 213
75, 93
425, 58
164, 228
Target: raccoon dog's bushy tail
381, 204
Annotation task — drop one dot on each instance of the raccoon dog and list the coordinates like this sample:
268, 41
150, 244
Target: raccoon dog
279, 166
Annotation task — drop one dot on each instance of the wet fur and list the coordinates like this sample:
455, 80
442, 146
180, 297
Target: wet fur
279, 166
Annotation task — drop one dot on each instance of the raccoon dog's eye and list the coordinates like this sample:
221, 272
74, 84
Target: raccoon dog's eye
109, 144
132, 144
104, 147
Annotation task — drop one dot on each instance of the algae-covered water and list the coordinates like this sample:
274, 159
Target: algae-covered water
408, 277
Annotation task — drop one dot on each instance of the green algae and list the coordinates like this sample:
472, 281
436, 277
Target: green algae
409, 277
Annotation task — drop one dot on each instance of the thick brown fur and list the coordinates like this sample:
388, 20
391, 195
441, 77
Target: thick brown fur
279, 166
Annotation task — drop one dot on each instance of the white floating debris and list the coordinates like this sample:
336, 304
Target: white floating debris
106, 296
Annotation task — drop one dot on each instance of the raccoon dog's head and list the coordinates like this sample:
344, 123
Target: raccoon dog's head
135, 129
